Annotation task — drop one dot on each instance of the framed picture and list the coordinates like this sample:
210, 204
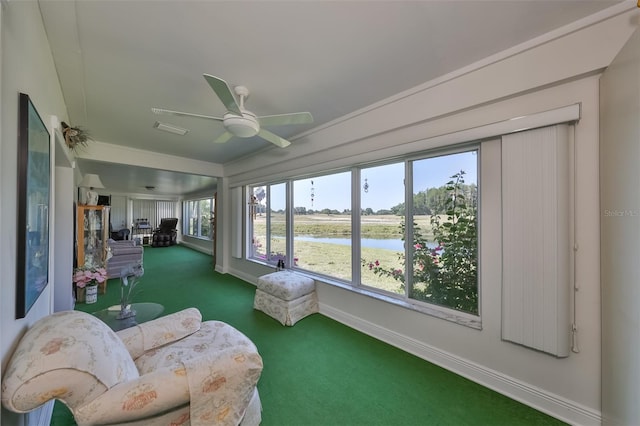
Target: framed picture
34, 181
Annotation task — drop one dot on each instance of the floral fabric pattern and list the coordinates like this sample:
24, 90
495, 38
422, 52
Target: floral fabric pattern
186, 372
286, 285
72, 341
286, 296
286, 312
161, 331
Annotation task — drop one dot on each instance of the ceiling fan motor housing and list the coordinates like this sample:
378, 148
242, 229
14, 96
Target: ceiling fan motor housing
242, 127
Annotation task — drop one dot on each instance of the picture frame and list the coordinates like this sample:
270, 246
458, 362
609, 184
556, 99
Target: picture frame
34, 200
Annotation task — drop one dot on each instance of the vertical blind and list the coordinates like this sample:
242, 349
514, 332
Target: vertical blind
153, 210
237, 222
536, 246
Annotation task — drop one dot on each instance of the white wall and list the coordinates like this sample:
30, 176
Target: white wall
27, 66
559, 72
620, 236
62, 244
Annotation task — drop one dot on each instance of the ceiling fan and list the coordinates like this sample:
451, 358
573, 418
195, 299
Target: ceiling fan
240, 122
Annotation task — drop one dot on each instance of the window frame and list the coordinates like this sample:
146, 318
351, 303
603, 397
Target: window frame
186, 214
356, 285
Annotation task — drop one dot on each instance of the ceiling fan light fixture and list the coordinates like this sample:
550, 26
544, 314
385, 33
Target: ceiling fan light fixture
237, 121
170, 128
242, 127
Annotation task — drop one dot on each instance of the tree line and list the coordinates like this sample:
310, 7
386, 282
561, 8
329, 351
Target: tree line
428, 202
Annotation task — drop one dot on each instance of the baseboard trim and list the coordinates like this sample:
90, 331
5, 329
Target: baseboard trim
551, 404
243, 276
196, 247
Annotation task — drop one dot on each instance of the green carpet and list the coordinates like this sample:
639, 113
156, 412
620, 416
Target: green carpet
318, 372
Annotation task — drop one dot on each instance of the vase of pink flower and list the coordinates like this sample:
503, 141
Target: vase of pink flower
86, 280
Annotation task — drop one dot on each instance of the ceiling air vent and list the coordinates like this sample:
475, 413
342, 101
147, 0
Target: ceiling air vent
170, 128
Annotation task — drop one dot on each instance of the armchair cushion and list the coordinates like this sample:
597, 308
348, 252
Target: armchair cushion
159, 332
139, 399
222, 367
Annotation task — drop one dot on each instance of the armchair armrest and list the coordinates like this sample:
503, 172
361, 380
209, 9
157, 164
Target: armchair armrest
216, 385
123, 247
159, 332
147, 396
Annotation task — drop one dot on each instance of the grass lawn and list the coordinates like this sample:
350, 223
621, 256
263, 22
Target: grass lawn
335, 259
326, 225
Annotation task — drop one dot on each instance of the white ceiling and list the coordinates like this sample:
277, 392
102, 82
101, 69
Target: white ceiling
118, 59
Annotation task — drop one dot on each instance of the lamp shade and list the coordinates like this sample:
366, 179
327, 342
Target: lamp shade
91, 181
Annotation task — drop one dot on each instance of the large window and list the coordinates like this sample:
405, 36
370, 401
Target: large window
322, 225
381, 231
268, 224
198, 218
406, 229
444, 231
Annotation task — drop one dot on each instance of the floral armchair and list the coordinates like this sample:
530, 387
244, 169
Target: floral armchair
174, 370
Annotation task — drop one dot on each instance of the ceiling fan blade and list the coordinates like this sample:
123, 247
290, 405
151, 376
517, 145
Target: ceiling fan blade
224, 92
285, 119
183, 114
223, 138
273, 138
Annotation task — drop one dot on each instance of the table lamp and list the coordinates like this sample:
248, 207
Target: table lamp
91, 181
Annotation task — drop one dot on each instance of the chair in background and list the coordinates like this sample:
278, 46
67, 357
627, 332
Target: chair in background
172, 370
120, 235
121, 254
142, 231
165, 234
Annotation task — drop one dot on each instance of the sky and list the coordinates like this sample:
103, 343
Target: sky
385, 184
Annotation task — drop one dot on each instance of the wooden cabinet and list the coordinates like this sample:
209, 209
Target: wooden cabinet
92, 230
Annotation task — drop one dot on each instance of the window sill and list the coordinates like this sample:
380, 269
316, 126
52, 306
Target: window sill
197, 238
461, 318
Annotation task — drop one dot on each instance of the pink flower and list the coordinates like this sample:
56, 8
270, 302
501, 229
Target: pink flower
90, 276
377, 263
417, 246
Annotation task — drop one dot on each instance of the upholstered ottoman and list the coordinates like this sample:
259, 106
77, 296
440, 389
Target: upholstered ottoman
286, 296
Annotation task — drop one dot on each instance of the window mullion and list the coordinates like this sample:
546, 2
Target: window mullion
289, 223
356, 208
268, 224
408, 229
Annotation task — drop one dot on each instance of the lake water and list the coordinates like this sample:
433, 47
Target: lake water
387, 244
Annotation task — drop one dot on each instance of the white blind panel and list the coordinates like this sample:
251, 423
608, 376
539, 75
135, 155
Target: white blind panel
145, 209
118, 213
536, 249
165, 209
236, 222
154, 210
